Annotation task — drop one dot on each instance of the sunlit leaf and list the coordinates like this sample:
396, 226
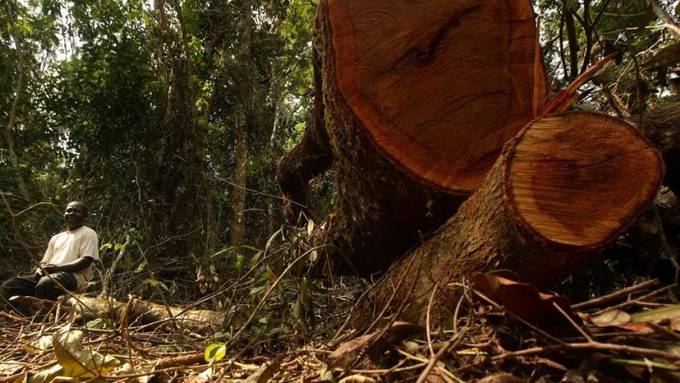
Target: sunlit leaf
39, 345
215, 352
142, 266
78, 362
611, 318
357, 379
46, 374
10, 368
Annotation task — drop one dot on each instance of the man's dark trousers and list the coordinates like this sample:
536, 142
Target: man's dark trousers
47, 287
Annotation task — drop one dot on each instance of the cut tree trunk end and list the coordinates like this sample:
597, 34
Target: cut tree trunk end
440, 93
418, 100
564, 188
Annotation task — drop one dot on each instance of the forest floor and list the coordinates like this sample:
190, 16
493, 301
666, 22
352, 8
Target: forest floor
276, 325
629, 334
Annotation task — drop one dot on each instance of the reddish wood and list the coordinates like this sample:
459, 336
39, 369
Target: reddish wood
569, 187
439, 86
417, 100
564, 188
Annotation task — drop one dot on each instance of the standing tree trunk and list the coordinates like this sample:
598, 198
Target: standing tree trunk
417, 101
237, 226
564, 188
180, 184
241, 121
19, 90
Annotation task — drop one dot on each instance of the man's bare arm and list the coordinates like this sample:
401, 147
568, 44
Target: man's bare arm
79, 264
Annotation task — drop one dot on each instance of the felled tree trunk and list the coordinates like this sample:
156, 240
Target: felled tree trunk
135, 311
564, 188
418, 100
662, 127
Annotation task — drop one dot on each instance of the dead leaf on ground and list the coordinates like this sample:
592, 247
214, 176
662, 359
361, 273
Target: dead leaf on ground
640, 322
203, 377
46, 374
611, 318
372, 344
346, 353
665, 313
501, 378
523, 299
266, 371
436, 376
78, 362
325, 375
357, 379
36, 304
10, 368
573, 376
39, 345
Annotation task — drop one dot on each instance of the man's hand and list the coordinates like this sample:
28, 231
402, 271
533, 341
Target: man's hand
49, 269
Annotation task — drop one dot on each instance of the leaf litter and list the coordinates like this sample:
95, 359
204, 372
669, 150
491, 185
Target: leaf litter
504, 331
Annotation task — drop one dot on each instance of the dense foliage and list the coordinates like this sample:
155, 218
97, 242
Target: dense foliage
135, 108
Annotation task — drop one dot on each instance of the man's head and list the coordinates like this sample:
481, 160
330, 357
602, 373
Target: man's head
75, 214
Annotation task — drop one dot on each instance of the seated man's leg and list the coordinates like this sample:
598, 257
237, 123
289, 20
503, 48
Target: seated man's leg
48, 287
21, 285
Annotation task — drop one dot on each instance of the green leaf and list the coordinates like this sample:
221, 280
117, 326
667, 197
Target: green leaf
668, 312
141, 266
238, 263
215, 352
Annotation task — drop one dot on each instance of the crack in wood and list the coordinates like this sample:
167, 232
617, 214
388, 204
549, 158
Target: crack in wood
417, 56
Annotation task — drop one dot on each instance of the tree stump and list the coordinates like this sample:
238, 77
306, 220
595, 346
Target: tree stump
418, 100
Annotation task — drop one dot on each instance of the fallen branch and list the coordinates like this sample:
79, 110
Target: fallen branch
615, 295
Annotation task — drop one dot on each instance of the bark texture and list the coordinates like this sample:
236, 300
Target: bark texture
237, 226
662, 127
310, 157
564, 188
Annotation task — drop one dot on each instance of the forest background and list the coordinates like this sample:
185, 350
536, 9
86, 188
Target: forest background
168, 118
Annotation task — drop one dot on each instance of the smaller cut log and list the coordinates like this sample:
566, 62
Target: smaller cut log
563, 189
137, 311
144, 312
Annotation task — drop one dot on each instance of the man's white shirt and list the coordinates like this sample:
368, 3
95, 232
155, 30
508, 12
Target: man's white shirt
69, 246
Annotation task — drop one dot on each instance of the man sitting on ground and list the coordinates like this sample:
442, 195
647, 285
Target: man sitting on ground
67, 263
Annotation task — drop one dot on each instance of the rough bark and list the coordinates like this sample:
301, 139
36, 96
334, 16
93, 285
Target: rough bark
310, 157
19, 90
564, 188
664, 17
415, 110
662, 126
237, 223
243, 109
